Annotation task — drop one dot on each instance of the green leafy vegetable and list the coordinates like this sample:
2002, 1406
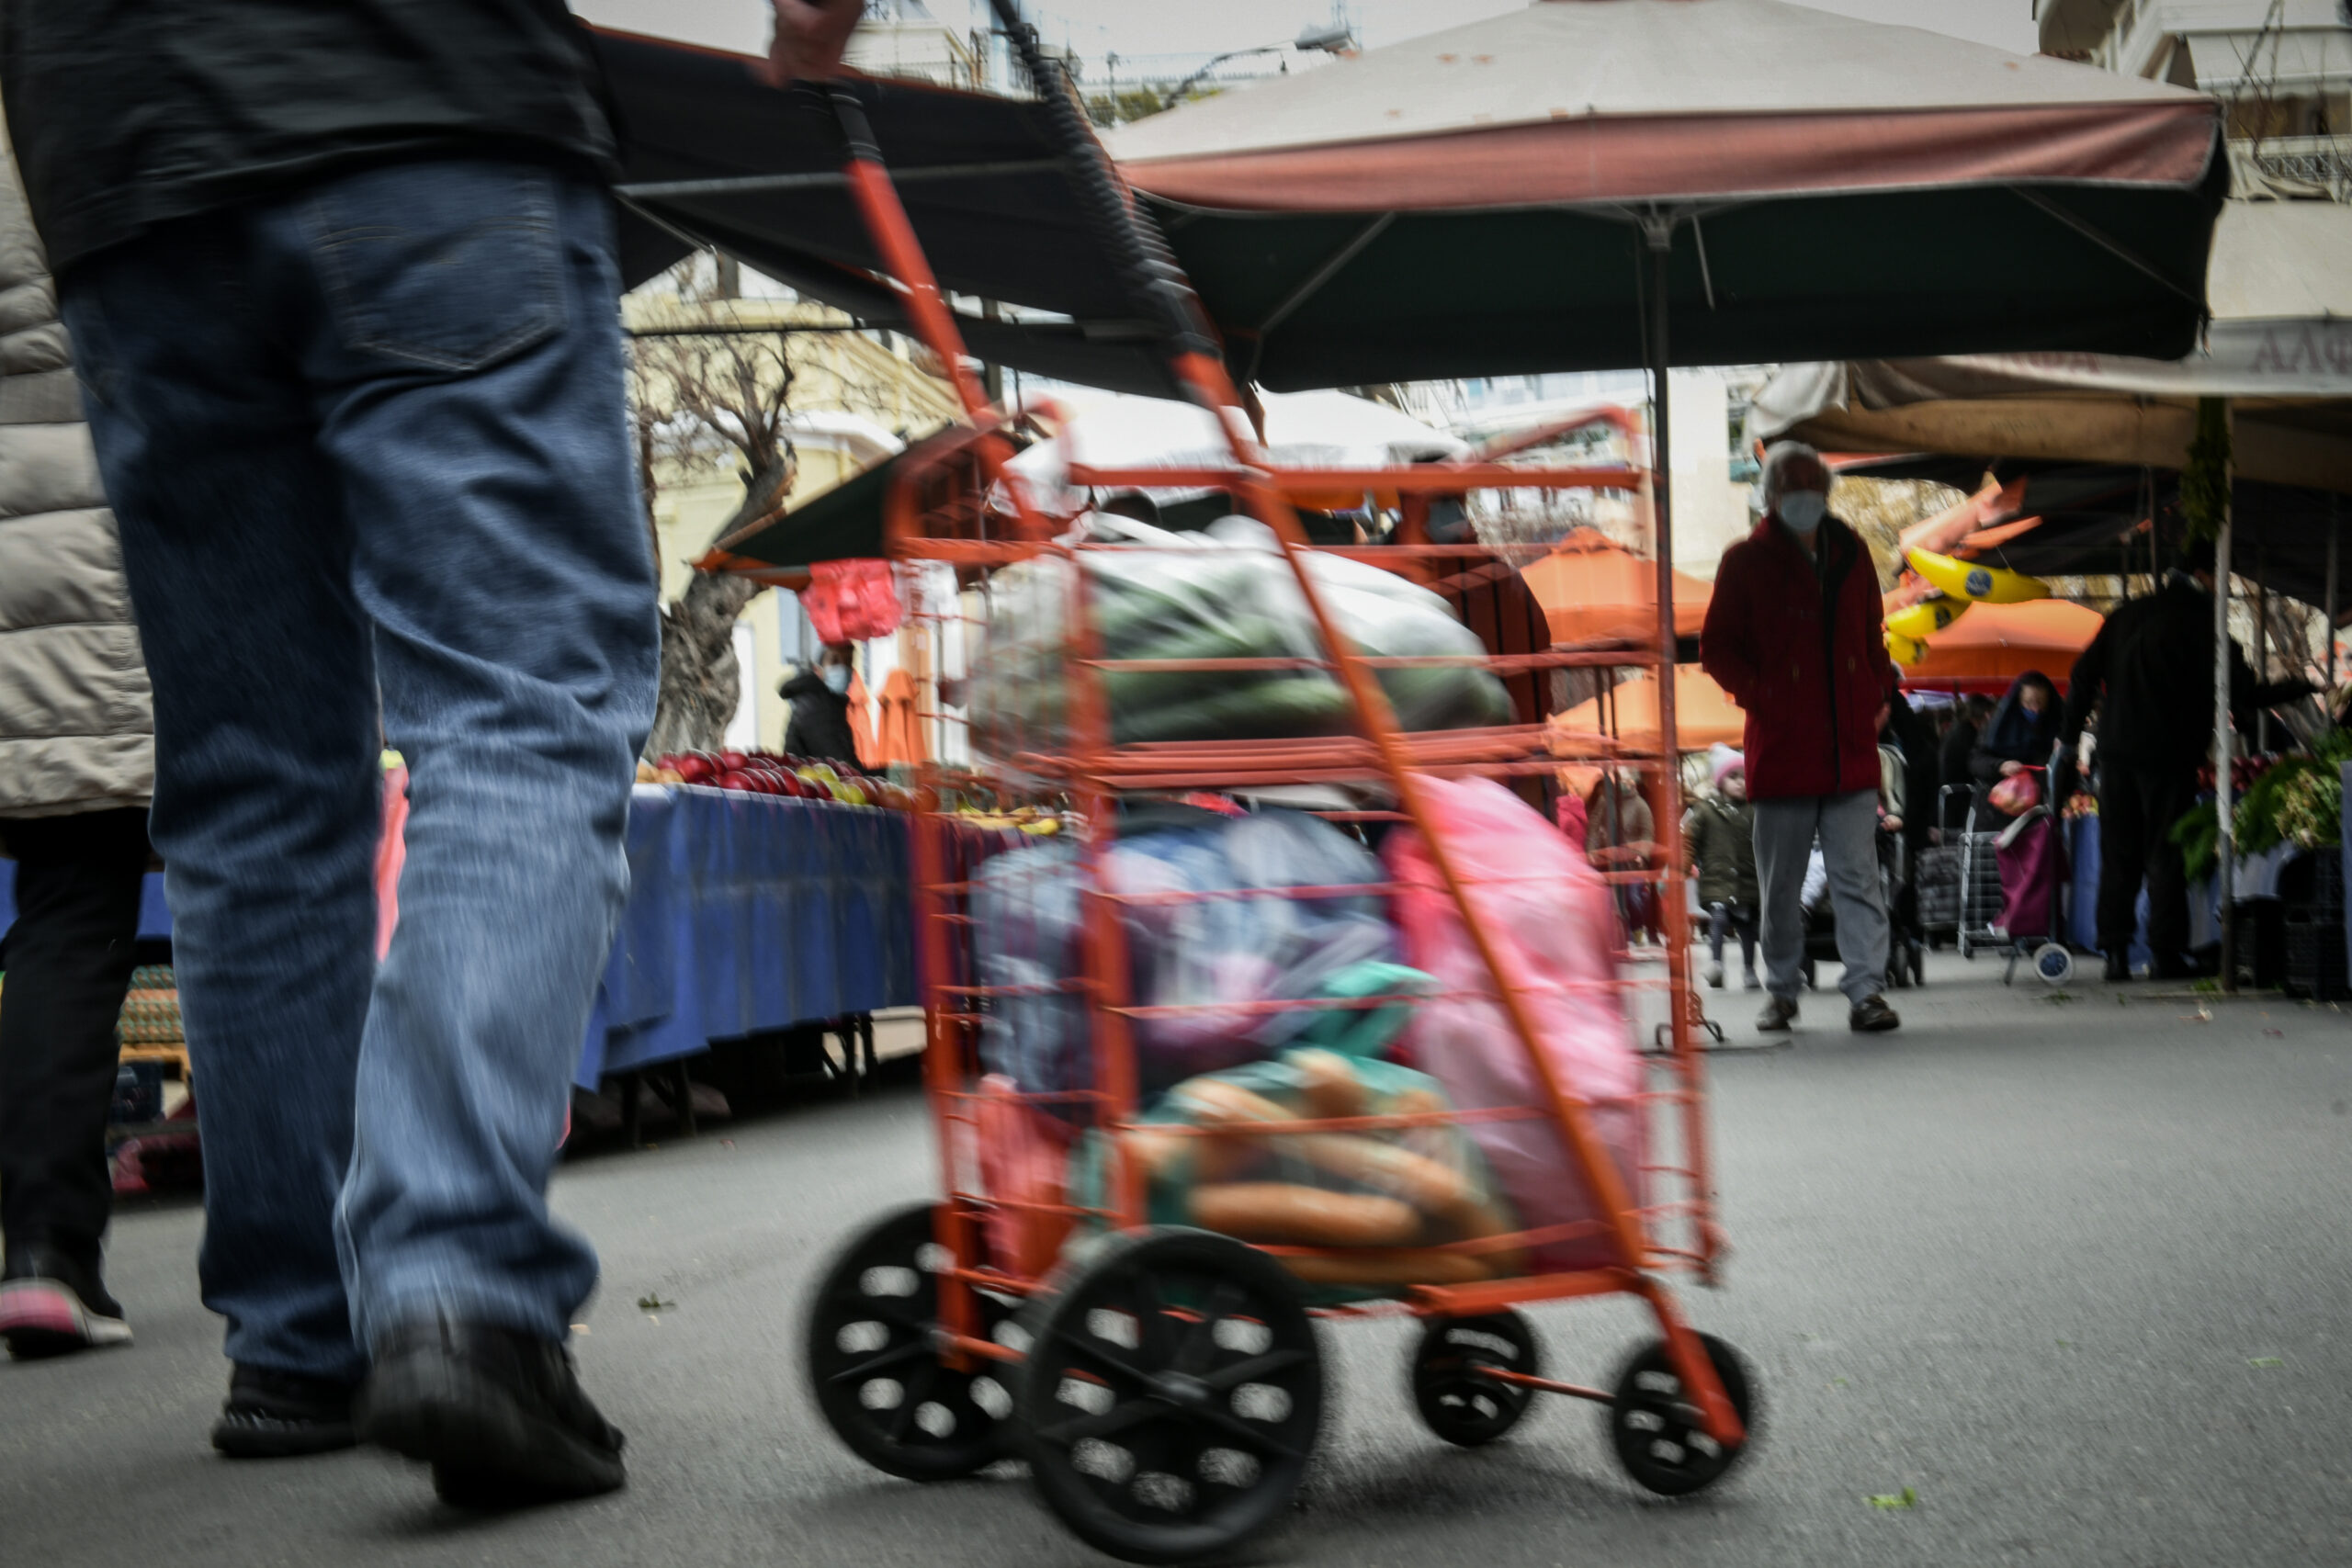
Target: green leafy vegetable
1907, 1498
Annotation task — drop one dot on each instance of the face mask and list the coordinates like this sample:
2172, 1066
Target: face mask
1804, 509
837, 678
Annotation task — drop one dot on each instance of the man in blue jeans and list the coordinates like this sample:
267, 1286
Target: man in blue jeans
342, 282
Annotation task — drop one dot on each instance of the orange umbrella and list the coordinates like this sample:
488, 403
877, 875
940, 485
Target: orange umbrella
1994, 644
1704, 714
1597, 592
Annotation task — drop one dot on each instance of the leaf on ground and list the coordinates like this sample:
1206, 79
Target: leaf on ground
2267, 1361
653, 1303
2065, 1344
1907, 1498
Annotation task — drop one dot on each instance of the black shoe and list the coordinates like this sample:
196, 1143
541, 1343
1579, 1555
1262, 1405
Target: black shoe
2119, 968
1872, 1016
1779, 1014
52, 1303
273, 1415
499, 1415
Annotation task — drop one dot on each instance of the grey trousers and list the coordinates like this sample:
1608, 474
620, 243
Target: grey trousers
1784, 834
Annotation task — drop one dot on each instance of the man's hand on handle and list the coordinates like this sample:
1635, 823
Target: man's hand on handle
809, 37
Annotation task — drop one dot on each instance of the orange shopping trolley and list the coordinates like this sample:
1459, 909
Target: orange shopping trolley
1161, 1162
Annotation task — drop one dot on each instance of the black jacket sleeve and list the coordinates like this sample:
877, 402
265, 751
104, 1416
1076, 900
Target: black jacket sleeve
2085, 684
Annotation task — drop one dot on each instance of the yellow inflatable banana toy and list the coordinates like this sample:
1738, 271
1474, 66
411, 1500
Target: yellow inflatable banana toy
1926, 617
1904, 649
1976, 583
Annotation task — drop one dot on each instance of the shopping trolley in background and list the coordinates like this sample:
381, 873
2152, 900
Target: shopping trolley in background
1967, 880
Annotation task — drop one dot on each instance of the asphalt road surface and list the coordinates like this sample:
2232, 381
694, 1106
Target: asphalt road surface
2074, 1273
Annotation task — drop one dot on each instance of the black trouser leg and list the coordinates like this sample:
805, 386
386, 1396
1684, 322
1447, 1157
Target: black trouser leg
2165, 799
2123, 848
69, 963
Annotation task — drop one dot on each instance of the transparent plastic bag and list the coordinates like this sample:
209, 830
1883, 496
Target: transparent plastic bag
1548, 912
1216, 957
1399, 1201
1225, 595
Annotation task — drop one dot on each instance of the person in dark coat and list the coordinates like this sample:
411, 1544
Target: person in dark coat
1793, 635
820, 727
2021, 735
2150, 672
1951, 758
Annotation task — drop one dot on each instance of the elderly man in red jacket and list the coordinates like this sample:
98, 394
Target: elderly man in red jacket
1792, 634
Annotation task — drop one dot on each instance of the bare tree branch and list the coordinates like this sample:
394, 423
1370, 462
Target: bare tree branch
696, 405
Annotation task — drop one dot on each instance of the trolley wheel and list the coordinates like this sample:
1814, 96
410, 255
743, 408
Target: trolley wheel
1455, 1398
2053, 962
1657, 1432
876, 1373
1172, 1394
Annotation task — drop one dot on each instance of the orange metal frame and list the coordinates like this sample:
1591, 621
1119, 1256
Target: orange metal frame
939, 510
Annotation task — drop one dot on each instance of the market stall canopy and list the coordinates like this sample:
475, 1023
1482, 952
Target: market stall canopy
1322, 429
1994, 644
2279, 348
1704, 715
716, 156
1471, 202
1594, 592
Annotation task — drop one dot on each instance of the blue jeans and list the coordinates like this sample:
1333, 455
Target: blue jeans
368, 447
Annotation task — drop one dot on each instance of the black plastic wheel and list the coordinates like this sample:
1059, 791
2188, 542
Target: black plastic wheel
878, 1376
1456, 1401
1655, 1428
1172, 1394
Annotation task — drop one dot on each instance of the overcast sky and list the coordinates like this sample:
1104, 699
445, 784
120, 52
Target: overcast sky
1138, 29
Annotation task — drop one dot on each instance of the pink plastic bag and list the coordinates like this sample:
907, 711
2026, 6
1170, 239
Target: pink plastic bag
1023, 1155
1549, 913
852, 601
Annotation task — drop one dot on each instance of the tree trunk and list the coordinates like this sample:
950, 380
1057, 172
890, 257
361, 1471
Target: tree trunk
700, 681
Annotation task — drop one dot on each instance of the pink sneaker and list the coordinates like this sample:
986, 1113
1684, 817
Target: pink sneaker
50, 1306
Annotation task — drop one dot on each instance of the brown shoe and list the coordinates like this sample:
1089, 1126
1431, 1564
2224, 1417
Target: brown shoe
1779, 1014
1872, 1016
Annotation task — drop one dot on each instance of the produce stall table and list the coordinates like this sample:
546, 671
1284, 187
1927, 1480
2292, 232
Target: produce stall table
746, 913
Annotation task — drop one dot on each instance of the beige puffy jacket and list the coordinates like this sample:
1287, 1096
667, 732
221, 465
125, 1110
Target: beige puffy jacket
76, 731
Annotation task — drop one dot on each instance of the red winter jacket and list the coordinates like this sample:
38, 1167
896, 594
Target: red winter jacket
1812, 693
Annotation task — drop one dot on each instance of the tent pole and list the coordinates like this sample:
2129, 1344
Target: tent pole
2330, 609
2224, 748
2262, 639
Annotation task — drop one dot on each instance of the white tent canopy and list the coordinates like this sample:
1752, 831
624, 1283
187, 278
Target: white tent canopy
2279, 348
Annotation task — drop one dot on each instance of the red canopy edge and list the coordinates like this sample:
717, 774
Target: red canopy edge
1683, 157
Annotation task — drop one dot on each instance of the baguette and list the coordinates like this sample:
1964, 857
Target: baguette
1183, 1158
1431, 1188
1330, 1085
1283, 1212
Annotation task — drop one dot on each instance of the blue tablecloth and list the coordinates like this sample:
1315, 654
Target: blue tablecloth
746, 912
749, 912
